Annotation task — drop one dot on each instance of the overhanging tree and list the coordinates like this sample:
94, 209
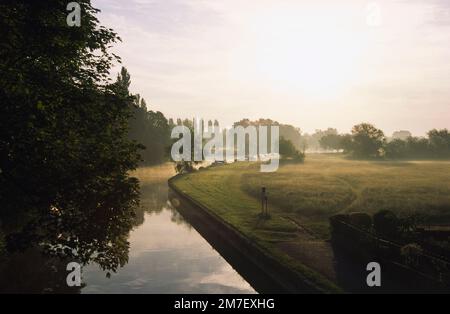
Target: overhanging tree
63, 125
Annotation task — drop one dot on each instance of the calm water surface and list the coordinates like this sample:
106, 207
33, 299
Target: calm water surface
166, 254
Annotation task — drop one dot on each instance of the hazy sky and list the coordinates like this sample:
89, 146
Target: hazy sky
313, 64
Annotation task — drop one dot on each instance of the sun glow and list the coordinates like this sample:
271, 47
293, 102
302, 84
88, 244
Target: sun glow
317, 58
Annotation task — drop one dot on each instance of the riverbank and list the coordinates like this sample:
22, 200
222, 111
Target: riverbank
302, 197
285, 274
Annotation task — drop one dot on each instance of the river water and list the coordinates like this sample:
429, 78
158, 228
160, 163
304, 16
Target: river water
162, 253
166, 254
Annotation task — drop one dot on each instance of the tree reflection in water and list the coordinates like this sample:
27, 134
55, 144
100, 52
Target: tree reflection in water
154, 200
92, 227
88, 228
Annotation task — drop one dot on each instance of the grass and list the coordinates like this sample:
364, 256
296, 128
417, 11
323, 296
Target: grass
308, 194
324, 185
328, 184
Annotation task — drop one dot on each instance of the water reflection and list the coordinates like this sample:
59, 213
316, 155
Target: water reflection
166, 254
123, 248
154, 200
31, 271
166, 257
90, 226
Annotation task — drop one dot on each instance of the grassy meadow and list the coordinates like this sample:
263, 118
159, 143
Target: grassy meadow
303, 196
308, 194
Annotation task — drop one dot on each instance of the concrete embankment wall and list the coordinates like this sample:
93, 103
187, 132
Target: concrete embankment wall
263, 271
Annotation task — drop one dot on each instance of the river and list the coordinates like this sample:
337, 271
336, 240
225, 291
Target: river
166, 254
162, 253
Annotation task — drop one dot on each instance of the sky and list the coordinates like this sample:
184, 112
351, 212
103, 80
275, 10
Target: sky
313, 64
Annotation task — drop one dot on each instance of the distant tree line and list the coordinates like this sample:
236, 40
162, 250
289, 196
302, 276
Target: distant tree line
290, 145
366, 141
288, 150
289, 141
150, 130
311, 142
288, 132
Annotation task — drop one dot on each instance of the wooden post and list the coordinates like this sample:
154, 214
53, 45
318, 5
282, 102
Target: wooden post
267, 208
263, 197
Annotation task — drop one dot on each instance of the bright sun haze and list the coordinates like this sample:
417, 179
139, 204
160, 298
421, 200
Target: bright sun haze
313, 64
317, 55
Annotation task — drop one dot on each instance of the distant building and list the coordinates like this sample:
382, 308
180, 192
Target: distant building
401, 135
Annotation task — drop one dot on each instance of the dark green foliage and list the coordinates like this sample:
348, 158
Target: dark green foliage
362, 220
312, 142
437, 145
397, 149
333, 142
367, 141
439, 142
288, 132
64, 152
32, 272
288, 151
184, 166
417, 147
150, 129
386, 223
